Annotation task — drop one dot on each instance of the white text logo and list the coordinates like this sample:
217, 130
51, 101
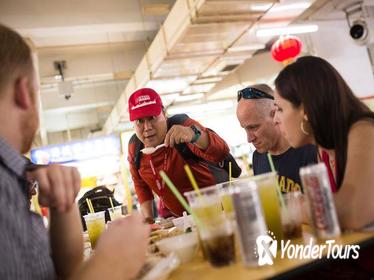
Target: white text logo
267, 245
266, 249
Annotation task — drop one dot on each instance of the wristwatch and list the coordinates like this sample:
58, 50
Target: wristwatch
197, 132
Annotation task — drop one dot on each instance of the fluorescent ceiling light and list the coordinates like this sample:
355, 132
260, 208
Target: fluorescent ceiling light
291, 29
260, 7
294, 6
249, 47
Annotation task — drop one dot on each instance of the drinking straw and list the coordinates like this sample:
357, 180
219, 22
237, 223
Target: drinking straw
192, 180
177, 194
111, 202
90, 207
245, 161
277, 185
230, 174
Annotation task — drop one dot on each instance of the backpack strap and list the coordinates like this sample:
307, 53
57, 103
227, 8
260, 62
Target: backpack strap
138, 146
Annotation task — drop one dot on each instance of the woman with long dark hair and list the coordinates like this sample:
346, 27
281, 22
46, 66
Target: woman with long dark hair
315, 105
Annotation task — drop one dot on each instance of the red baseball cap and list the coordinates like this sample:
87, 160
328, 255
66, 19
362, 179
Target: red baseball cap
144, 102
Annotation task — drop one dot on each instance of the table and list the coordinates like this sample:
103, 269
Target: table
201, 269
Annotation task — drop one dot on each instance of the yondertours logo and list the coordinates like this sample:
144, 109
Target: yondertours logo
267, 246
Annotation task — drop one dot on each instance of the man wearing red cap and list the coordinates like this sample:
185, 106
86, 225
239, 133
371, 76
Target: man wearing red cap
153, 128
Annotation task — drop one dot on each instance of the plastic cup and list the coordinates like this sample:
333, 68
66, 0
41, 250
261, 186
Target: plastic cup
95, 223
292, 215
216, 231
226, 199
206, 206
266, 186
115, 212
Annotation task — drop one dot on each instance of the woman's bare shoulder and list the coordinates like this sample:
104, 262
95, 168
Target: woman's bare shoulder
361, 128
361, 139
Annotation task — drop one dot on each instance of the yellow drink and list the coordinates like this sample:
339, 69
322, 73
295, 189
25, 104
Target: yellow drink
227, 203
208, 213
266, 185
95, 223
95, 228
226, 199
215, 229
206, 204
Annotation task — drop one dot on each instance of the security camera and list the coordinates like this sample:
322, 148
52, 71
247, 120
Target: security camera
359, 32
67, 96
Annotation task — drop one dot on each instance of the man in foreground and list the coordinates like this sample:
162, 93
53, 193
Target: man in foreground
28, 251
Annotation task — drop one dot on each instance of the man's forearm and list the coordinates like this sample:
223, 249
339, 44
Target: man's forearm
147, 210
66, 241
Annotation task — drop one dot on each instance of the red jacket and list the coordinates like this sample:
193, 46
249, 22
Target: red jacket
145, 181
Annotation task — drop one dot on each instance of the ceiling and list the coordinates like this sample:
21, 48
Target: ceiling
185, 49
199, 44
101, 43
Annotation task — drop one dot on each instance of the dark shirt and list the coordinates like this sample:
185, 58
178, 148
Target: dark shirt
287, 165
24, 243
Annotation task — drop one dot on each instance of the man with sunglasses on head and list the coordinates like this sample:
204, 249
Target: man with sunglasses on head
255, 113
153, 128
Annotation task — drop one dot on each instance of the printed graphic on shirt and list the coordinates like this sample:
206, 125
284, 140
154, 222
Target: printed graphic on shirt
288, 185
287, 166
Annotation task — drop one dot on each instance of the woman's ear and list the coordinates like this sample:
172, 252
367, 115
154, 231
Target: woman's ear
303, 113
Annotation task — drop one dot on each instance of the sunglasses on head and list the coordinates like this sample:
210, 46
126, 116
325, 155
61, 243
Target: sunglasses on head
253, 93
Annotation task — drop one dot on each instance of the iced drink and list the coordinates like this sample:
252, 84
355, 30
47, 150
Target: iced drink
317, 187
220, 250
115, 212
266, 186
95, 223
215, 229
226, 199
291, 215
249, 218
206, 206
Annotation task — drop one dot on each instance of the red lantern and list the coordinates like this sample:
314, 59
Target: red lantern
286, 48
